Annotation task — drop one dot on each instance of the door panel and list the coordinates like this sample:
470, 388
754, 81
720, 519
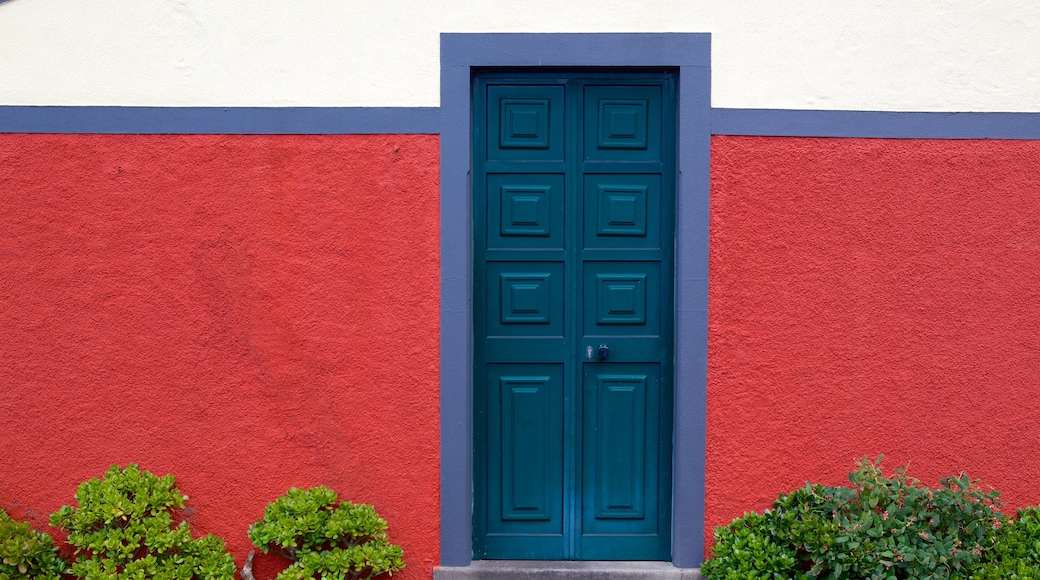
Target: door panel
615, 446
525, 123
621, 299
525, 211
527, 435
623, 512
525, 299
525, 445
622, 211
574, 180
623, 123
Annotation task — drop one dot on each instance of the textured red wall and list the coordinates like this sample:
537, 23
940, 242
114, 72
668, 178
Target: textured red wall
868, 297
252, 313
248, 313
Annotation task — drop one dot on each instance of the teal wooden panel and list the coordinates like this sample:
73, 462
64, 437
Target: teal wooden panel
525, 299
627, 348
525, 458
619, 441
528, 490
622, 211
525, 211
622, 298
527, 349
623, 123
525, 122
623, 516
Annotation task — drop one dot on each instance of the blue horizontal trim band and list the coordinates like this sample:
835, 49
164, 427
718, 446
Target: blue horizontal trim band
892, 125
221, 120
426, 120
559, 49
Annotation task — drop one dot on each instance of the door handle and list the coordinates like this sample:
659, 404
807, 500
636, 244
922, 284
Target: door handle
604, 352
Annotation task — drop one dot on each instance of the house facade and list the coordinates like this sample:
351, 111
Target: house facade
541, 282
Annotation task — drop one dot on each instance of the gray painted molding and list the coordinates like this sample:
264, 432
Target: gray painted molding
690, 54
220, 120
426, 121
879, 124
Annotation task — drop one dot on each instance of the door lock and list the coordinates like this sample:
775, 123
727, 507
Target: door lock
604, 352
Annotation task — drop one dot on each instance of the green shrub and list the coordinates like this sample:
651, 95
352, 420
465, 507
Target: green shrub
773, 544
882, 528
26, 553
123, 529
752, 547
326, 539
1015, 553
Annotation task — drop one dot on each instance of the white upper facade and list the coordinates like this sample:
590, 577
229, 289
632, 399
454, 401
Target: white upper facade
874, 55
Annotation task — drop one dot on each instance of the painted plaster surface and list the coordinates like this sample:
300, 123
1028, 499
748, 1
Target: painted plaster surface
248, 313
931, 55
869, 297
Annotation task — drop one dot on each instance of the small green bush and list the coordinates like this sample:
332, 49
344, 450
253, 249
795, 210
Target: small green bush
123, 529
881, 529
26, 553
1015, 553
327, 539
753, 546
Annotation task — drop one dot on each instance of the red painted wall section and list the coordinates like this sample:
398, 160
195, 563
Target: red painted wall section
248, 313
868, 297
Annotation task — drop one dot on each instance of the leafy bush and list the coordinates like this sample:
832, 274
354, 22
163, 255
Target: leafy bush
882, 528
1015, 553
124, 529
26, 553
326, 539
753, 547
773, 544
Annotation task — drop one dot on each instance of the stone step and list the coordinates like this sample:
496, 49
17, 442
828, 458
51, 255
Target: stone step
564, 570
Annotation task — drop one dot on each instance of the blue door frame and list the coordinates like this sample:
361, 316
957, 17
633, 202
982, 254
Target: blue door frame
689, 54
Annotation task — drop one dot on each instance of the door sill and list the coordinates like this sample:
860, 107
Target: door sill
564, 570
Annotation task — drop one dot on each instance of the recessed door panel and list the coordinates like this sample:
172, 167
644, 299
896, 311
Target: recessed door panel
525, 123
525, 211
622, 299
616, 447
527, 444
622, 211
525, 299
623, 123
622, 508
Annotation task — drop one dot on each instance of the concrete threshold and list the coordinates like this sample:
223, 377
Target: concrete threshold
564, 570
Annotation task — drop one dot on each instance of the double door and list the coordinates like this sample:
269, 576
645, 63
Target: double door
573, 189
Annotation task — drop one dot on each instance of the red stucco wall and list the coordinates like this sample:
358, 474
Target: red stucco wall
252, 313
248, 313
868, 297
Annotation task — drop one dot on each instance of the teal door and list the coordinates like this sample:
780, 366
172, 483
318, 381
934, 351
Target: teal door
573, 189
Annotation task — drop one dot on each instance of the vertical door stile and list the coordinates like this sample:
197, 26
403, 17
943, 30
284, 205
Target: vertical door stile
572, 482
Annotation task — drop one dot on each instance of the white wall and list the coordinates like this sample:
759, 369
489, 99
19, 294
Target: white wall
900, 55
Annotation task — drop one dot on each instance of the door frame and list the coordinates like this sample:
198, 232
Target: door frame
689, 54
